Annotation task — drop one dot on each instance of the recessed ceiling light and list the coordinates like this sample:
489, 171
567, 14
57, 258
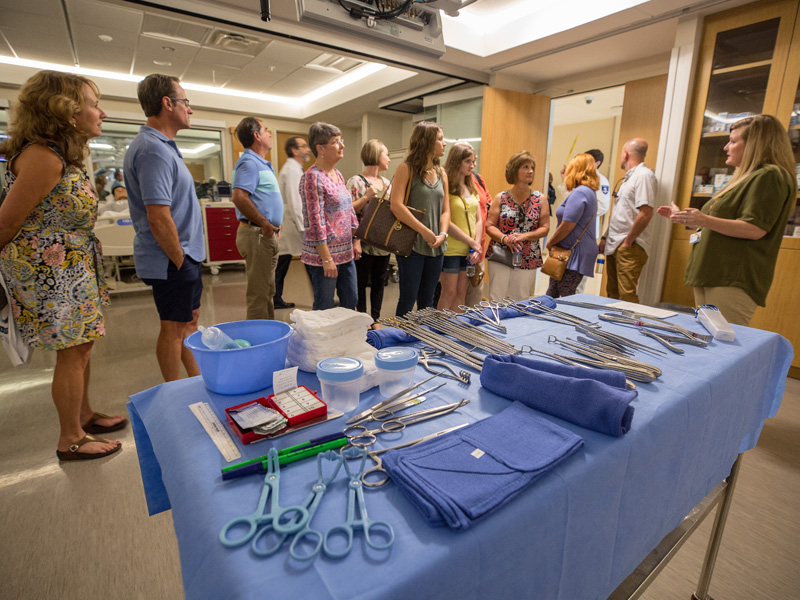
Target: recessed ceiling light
168, 48
105, 37
162, 63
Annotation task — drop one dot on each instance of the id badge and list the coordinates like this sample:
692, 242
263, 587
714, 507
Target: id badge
695, 237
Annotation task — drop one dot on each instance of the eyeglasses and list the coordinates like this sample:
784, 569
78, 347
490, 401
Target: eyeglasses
339, 142
184, 100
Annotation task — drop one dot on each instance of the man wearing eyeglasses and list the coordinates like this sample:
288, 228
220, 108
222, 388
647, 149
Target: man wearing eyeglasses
627, 239
169, 246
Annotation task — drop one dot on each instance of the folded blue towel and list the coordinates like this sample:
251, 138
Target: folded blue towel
594, 399
464, 475
510, 313
388, 336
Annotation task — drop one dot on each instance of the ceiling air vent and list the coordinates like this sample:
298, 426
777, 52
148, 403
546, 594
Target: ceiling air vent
235, 42
333, 63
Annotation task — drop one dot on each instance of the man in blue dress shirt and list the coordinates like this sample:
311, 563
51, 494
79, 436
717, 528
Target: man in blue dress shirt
259, 208
168, 247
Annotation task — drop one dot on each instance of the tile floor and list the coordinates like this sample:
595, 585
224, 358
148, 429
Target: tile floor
81, 530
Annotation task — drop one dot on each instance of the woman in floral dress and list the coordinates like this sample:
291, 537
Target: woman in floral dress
49, 255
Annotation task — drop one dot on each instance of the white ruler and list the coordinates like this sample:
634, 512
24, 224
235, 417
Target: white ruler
214, 428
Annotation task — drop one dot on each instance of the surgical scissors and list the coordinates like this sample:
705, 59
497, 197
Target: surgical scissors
261, 522
368, 437
425, 354
355, 494
365, 414
378, 467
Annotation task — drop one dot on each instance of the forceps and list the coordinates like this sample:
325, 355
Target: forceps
669, 341
312, 501
362, 437
494, 308
425, 354
355, 493
261, 522
365, 414
378, 467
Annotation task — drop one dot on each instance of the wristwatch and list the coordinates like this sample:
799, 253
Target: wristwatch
445, 234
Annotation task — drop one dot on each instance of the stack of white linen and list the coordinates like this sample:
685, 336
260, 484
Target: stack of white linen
321, 334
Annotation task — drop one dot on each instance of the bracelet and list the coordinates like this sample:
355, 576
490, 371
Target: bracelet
503, 239
327, 261
602, 237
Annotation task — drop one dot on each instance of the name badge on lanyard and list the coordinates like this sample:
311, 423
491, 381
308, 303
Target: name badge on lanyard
695, 237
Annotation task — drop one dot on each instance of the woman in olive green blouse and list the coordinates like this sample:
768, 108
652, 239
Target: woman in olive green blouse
739, 231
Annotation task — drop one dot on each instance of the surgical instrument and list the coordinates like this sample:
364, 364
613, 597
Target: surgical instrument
477, 314
306, 534
355, 495
425, 355
366, 413
614, 361
378, 467
624, 320
569, 361
467, 333
362, 437
450, 347
261, 521
669, 341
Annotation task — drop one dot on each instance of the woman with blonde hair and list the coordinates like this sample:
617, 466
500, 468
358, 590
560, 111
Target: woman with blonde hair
466, 226
372, 266
575, 215
48, 252
517, 220
740, 229
420, 271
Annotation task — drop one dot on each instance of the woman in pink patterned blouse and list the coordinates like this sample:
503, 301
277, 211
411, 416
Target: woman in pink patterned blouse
328, 244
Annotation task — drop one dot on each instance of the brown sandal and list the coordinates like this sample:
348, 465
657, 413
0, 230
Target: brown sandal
91, 426
73, 454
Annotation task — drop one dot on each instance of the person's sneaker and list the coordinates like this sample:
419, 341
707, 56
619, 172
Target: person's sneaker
282, 304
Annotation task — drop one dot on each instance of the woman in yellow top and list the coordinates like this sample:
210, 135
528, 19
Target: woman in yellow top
466, 226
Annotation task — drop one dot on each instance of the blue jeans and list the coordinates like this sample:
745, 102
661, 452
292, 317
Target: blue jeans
344, 285
419, 275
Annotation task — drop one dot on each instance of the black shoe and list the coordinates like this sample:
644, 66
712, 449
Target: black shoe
282, 304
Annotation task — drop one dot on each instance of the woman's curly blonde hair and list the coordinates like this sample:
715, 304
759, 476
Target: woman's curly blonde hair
42, 115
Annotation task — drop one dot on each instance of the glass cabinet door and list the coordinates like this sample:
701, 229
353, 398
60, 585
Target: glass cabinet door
793, 226
740, 73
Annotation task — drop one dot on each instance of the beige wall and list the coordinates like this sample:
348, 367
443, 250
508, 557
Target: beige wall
590, 134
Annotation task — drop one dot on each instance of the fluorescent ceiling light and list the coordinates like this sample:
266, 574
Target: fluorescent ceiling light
449, 141
197, 150
484, 32
98, 146
349, 78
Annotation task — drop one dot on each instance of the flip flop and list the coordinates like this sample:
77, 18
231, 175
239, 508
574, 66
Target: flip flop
92, 427
73, 454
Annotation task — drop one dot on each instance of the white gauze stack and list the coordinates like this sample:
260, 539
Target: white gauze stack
321, 334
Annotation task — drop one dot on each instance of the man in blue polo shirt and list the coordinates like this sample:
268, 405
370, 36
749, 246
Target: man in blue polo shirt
259, 208
168, 247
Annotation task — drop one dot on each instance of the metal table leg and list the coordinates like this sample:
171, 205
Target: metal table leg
637, 582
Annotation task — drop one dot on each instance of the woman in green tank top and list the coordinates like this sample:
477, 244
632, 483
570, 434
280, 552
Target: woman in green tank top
420, 271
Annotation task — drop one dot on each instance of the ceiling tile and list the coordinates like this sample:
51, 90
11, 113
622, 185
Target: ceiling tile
212, 57
150, 49
103, 15
208, 75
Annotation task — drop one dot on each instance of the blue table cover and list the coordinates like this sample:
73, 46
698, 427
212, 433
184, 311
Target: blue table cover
575, 533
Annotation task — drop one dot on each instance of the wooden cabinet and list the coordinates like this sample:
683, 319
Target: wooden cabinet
220, 225
749, 64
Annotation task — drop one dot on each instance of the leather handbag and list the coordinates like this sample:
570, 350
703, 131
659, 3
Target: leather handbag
501, 254
555, 265
380, 228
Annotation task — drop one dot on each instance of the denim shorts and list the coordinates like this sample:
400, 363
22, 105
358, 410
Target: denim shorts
454, 264
178, 296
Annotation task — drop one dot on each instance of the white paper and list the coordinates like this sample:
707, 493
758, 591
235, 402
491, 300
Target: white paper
659, 313
284, 380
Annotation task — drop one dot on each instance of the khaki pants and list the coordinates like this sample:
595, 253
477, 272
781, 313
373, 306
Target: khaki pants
261, 257
734, 303
623, 269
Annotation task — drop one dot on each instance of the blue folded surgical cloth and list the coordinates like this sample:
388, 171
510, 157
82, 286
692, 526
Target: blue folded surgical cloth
510, 313
591, 398
388, 336
464, 475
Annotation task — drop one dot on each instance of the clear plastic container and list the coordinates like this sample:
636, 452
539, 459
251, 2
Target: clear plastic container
470, 266
516, 259
396, 367
340, 377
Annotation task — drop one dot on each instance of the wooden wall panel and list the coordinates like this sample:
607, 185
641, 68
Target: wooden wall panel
675, 291
642, 109
513, 121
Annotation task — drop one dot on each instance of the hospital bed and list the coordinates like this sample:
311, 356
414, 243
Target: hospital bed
115, 232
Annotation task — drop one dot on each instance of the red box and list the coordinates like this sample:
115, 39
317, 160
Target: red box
248, 437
